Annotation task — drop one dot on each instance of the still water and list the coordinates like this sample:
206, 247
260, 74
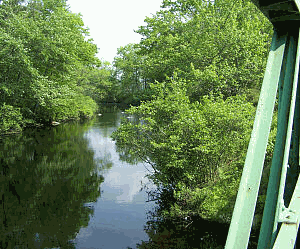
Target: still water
66, 187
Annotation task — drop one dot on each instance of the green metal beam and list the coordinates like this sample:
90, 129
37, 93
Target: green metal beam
293, 170
280, 12
280, 224
247, 195
297, 2
287, 235
288, 232
274, 205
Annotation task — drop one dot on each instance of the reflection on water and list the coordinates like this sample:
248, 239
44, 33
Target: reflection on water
121, 212
50, 189
46, 177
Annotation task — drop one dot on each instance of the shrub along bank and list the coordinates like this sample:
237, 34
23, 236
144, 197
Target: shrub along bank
200, 65
43, 50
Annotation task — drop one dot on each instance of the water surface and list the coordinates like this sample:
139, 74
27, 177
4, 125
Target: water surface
121, 212
65, 187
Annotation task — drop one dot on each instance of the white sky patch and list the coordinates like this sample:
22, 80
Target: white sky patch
122, 182
112, 23
127, 183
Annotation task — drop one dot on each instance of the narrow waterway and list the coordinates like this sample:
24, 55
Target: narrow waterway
66, 187
121, 211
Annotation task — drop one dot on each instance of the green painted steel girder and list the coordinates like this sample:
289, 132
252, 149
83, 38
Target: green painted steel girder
242, 218
287, 235
280, 224
280, 12
275, 208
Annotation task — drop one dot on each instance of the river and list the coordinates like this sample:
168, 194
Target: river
66, 187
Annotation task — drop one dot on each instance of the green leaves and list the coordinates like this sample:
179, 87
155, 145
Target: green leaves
128, 73
218, 48
97, 83
10, 119
188, 144
204, 63
42, 48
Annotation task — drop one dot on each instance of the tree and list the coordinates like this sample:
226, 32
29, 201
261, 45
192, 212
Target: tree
190, 146
217, 48
42, 47
206, 60
128, 66
98, 83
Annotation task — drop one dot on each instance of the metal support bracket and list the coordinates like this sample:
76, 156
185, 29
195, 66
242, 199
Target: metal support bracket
288, 216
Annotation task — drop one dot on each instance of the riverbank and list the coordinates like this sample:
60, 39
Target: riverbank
71, 178
18, 128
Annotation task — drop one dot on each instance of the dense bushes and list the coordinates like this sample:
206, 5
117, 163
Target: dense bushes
218, 48
196, 150
202, 63
43, 49
10, 119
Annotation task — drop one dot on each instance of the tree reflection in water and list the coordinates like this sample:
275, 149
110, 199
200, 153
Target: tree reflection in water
191, 232
46, 178
177, 232
167, 232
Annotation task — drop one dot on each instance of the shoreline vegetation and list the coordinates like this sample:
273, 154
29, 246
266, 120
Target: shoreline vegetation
102, 107
47, 62
192, 83
196, 74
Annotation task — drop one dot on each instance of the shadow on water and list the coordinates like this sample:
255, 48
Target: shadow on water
47, 176
180, 232
192, 232
51, 177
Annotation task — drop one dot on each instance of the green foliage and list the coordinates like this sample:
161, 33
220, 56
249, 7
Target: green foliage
195, 134
47, 177
97, 83
218, 48
129, 76
43, 46
10, 119
196, 150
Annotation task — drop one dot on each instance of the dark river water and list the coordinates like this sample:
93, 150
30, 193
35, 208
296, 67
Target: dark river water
65, 187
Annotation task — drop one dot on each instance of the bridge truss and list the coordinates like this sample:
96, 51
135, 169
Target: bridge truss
282, 207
